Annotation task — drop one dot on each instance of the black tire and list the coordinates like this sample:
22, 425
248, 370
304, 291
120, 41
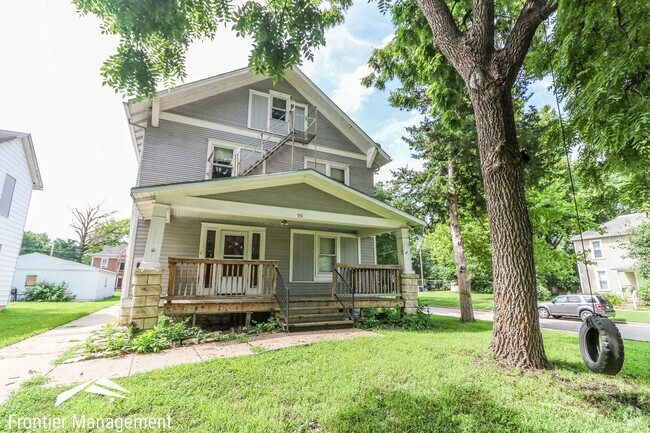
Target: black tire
557, 317
543, 313
601, 345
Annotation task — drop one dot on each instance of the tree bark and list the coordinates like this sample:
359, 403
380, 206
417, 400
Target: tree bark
517, 338
490, 74
464, 288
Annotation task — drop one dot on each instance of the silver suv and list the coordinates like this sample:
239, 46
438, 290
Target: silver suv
575, 306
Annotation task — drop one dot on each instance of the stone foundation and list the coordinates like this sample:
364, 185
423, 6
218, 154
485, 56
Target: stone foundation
410, 293
145, 290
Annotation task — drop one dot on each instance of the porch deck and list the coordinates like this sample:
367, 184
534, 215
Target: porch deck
209, 286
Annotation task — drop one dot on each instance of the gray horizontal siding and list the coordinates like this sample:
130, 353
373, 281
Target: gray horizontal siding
182, 239
175, 152
361, 178
299, 196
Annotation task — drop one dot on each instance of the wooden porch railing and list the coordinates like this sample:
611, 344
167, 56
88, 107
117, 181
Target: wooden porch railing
189, 278
368, 280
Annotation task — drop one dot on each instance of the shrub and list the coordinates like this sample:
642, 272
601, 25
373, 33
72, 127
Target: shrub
393, 318
45, 291
271, 325
543, 294
615, 300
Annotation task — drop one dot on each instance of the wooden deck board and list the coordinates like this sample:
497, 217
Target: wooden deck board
243, 304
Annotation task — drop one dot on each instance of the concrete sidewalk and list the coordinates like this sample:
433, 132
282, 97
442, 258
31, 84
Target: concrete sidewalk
67, 374
35, 355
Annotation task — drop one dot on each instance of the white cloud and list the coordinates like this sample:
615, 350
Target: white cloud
350, 94
390, 137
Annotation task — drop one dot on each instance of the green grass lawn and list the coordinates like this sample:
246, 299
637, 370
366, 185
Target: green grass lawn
485, 301
432, 381
480, 301
21, 320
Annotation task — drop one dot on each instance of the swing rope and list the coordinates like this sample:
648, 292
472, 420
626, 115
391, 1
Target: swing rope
567, 152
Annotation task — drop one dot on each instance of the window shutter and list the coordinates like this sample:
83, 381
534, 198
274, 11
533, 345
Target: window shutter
259, 111
303, 257
7, 195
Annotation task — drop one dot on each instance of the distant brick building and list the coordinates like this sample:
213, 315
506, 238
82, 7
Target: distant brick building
112, 259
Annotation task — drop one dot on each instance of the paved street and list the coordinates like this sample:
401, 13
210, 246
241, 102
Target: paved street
637, 331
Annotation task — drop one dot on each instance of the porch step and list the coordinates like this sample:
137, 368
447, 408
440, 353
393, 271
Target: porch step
315, 315
319, 326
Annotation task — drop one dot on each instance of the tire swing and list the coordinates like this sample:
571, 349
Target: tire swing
601, 344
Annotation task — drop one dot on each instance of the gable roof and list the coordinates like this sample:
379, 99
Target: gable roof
619, 226
139, 112
43, 261
110, 250
28, 146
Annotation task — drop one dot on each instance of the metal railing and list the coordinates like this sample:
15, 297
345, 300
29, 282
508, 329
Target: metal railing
344, 293
189, 278
281, 292
299, 128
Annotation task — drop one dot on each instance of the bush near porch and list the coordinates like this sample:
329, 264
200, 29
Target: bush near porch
425, 381
21, 320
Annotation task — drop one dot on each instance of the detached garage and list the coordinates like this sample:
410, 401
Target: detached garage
85, 282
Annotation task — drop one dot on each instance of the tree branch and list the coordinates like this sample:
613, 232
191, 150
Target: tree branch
508, 61
481, 36
446, 36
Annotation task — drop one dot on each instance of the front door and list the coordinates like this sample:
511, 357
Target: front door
232, 275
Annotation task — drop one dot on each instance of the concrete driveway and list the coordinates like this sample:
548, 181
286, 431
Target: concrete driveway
35, 355
637, 331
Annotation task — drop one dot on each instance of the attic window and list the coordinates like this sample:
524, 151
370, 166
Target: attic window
279, 109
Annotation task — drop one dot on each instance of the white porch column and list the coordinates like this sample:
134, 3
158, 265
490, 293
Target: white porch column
160, 217
404, 251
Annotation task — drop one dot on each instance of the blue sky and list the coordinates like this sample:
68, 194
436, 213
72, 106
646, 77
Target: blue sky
51, 87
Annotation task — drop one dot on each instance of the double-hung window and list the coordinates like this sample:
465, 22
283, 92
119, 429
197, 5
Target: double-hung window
597, 249
313, 254
104, 263
603, 281
336, 171
222, 162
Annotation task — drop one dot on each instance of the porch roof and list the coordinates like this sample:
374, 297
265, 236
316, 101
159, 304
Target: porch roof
202, 199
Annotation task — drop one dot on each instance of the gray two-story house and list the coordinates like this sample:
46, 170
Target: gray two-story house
253, 196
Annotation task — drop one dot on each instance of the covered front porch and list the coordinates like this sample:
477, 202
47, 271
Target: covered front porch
216, 255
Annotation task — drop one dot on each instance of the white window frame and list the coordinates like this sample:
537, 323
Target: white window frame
236, 154
295, 105
252, 92
600, 248
218, 228
320, 277
103, 264
275, 94
329, 165
609, 283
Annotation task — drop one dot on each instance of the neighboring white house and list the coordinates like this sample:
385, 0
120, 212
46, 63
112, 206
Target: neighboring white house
85, 282
19, 175
609, 268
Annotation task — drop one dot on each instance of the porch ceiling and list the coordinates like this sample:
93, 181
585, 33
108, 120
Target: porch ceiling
301, 198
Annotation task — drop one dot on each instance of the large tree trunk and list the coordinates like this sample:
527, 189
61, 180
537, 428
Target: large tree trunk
517, 339
464, 288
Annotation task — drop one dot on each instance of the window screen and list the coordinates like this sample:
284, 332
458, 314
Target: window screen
303, 257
